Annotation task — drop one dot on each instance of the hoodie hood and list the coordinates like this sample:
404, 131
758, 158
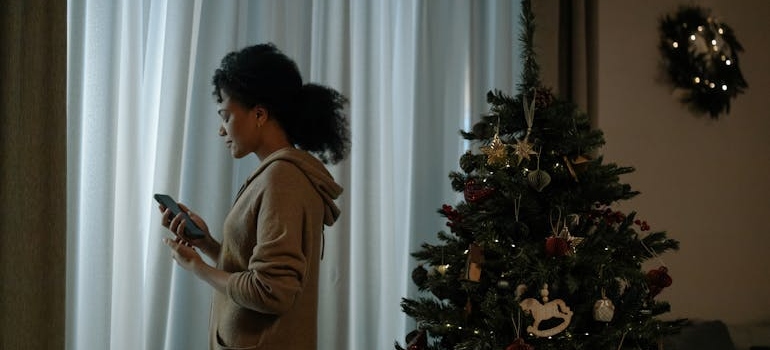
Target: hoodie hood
315, 171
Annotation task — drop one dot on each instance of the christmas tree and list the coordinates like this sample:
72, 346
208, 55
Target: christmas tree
535, 256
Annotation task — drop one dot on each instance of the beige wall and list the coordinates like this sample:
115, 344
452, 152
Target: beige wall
704, 181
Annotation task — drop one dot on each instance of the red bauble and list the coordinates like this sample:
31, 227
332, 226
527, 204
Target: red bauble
475, 192
658, 279
417, 340
519, 344
556, 246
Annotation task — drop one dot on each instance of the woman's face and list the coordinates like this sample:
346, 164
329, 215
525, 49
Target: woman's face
239, 127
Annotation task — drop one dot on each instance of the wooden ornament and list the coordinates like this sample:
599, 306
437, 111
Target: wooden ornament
541, 312
474, 262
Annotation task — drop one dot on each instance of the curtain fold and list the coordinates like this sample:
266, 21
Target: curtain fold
577, 54
141, 119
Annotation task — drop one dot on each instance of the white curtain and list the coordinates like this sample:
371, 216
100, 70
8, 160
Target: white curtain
141, 120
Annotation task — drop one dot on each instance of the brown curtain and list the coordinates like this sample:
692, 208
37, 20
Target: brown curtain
33, 124
566, 40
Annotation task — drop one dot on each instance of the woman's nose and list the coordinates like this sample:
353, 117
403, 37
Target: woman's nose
222, 131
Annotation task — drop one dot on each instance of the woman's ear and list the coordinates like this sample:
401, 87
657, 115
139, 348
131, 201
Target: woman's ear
260, 114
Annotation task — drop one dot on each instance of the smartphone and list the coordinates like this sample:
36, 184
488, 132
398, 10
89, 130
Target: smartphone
190, 229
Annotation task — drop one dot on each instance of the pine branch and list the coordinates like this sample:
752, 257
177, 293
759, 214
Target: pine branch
531, 73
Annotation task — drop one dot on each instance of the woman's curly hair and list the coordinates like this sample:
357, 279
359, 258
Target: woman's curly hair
312, 115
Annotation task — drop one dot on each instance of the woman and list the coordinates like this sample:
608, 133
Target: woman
266, 276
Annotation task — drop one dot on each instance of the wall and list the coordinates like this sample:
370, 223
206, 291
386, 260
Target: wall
704, 181
32, 174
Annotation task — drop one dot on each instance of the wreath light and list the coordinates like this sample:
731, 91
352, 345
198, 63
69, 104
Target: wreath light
701, 58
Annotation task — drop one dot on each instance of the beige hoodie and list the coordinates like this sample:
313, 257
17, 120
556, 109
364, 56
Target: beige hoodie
271, 243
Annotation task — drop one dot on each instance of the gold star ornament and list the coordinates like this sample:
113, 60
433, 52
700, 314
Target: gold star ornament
496, 152
523, 149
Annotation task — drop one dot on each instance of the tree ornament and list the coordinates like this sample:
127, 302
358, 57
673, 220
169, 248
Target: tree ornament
657, 279
419, 276
474, 262
523, 148
441, 269
604, 309
496, 151
541, 312
519, 344
538, 179
475, 192
572, 241
417, 340
544, 293
556, 246
577, 165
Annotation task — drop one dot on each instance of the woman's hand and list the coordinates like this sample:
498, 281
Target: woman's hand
184, 253
176, 224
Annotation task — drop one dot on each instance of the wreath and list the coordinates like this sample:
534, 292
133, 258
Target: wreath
701, 58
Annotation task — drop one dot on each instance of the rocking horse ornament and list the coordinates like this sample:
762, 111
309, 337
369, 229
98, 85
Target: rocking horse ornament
541, 312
